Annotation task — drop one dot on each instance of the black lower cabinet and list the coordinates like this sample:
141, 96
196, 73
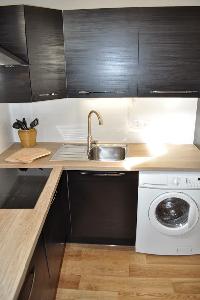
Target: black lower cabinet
103, 207
55, 233
87, 207
43, 274
36, 284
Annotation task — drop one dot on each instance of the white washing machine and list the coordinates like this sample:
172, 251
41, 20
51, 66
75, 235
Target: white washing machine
168, 221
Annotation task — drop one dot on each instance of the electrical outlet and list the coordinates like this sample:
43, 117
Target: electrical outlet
139, 124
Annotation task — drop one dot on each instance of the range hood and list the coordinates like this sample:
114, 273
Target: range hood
9, 59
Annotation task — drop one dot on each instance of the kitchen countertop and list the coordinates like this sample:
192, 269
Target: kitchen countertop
20, 228
139, 157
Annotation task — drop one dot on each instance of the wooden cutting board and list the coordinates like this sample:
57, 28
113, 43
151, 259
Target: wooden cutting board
27, 155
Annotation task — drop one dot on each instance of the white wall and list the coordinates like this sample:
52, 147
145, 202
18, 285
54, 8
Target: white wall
79, 4
6, 137
169, 120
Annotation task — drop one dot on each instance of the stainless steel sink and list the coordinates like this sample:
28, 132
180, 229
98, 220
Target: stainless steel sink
107, 152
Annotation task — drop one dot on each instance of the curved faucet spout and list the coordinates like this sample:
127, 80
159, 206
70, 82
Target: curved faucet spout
89, 138
98, 116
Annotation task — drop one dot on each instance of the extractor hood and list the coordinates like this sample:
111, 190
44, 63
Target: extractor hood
9, 59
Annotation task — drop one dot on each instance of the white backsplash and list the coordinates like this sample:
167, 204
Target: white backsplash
6, 132
169, 120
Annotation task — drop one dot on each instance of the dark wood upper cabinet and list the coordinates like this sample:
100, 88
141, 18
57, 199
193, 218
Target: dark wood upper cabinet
14, 84
101, 50
169, 52
120, 52
35, 35
12, 30
147, 52
45, 43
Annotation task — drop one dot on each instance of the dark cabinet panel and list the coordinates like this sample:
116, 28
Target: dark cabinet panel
55, 233
169, 19
169, 64
103, 207
169, 53
101, 49
14, 79
35, 35
12, 30
14, 84
44, 32
151, 52
36, 283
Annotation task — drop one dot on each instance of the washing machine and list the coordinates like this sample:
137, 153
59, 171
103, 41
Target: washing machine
168, 221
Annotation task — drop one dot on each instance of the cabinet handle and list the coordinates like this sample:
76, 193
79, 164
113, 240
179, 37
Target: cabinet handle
173, 92
93, 92
117, 174
26, 295
32, 285
14, 66
48, 94
109, 174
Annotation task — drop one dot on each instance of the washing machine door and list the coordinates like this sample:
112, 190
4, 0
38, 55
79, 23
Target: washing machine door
173, 213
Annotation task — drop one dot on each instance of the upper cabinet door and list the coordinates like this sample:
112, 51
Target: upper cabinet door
34, 36
101, 49
44, 34
14, 79
14, 84
12, 30
169, 52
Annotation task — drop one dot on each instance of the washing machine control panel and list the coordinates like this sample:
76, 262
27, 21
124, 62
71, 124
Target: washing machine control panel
184, 182
170, 180
193, 182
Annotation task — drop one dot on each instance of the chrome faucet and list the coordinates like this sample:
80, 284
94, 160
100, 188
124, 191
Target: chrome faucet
89, 138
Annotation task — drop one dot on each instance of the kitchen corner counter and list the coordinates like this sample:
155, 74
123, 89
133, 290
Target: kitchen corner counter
19, 232
139, 157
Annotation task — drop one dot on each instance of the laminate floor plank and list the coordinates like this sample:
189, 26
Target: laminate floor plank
69, 281
127, 296
134, 286
164, 271
173, 259
70, 294
96, 267
185, 286
93, 272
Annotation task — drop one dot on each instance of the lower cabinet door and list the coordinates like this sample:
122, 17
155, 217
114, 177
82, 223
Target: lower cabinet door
103, 207
55, 233
36, 284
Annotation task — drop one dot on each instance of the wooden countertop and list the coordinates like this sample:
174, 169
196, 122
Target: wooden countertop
20, 229
139, 157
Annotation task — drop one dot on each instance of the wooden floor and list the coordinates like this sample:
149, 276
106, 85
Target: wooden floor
109, 273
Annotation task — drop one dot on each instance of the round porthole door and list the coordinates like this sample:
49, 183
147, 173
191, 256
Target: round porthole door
173, 213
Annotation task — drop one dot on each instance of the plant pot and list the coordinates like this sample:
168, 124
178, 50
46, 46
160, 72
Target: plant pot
27, 137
